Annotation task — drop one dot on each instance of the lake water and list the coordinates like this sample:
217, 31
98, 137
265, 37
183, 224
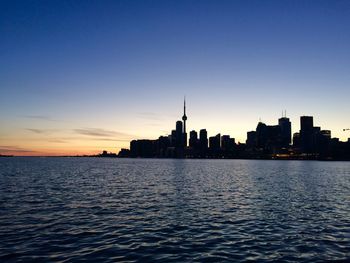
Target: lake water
147, 210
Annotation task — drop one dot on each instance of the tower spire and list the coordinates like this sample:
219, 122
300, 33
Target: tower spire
184, 105
184, 118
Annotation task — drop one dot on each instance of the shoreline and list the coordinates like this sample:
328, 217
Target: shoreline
188, 158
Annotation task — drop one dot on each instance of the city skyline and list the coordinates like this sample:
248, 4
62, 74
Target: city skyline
79, 77
122, 140
276, 141
283, 122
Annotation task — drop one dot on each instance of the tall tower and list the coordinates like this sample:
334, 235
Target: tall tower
184, 118
286, 130
307, 134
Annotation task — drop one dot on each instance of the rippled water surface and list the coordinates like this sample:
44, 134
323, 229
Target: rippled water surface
78, 209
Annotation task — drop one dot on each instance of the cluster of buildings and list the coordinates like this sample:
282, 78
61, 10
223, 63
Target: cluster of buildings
310, 142
266, 142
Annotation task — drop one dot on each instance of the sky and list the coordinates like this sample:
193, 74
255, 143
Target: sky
79, 77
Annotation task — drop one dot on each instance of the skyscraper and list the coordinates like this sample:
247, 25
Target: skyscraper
306, 123
251, 139
214, 145
203, 142
261, 135
193, 139
286, 131
307, 134
227, 145
225, 142
179, 135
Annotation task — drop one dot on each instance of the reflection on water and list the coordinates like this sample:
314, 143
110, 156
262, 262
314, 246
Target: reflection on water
173, 210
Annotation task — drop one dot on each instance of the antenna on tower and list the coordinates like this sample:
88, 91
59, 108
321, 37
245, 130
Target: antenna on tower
185, 104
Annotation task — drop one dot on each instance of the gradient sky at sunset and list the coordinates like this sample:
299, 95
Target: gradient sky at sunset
79, 77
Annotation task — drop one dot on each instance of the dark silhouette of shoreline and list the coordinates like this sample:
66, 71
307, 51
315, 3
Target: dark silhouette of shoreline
4, 155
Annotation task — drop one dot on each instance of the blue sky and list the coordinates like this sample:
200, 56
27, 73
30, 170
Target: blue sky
124, 67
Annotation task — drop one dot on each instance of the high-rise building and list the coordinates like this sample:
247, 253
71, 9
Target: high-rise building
251, 139
274, 139
203, 142
179, 136
323, 142
306, 123
286, 131
193, 139
214, 143
227, 145
225, 142
261, 135
307, 134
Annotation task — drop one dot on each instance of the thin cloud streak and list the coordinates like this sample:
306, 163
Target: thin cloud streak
42, 131
57, 141
95, 132
38, 131
14, 149
39, 117
112, 140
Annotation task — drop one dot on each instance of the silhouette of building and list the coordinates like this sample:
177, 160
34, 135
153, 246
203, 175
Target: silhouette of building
261, 135
251, 139
178, 134
227, 146
133, 148
179, 145
323, 143
184, 118
214, 145
306, 123
269, 139
274, 139
296, 140
163, 144
107, 154
142, 148
123, 153
214, 142
193, 139
203, 142
225, 142
326, 134
194, 147
307, 132
173, 138
286, 131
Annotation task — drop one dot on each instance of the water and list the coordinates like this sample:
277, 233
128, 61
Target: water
147, 210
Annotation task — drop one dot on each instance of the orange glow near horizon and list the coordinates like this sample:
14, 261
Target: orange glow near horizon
39, 137
62, 151
52, 145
